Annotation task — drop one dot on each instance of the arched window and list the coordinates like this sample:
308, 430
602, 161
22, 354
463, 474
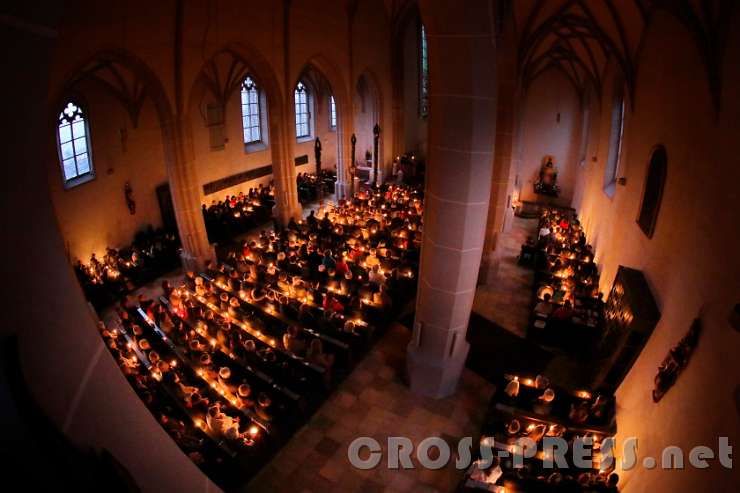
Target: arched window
423, 73
251, 114
611, 173
653, 193
302, 111
332, 113
73, 138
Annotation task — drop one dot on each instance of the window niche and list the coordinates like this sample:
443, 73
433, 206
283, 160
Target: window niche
653, 193
611, 173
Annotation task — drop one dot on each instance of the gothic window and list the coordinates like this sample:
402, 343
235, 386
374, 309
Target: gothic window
251, 115
73, 139
332, 113
302, 111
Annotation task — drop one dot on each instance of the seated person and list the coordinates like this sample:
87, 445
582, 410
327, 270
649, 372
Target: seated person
372, 260
544, 307
563, 313
483, 472
292, 340
543, 404
611, 483
579, 412
242, 396
375, 276
341, 266
332, 304
263, 406
317, 356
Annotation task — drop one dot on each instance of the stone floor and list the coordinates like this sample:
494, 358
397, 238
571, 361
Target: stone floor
374, 402
506, 298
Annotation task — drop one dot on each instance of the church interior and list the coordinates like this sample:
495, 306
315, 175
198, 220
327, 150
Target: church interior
314, 246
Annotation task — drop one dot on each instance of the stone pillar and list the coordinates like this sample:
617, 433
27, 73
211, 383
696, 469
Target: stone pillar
376, 145
186, 193
344, 187
499, 212
461, 142
283, 165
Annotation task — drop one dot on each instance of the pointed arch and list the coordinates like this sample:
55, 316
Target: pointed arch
323, 68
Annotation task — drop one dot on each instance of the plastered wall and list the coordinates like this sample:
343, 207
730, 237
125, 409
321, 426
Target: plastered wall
690, 263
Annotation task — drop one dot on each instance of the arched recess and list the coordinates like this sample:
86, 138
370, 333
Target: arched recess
130, 80
220, 78
368, 111
324, 72
406, 22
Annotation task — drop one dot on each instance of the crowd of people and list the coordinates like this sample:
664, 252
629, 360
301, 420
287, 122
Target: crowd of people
153, 253
235, 358
535, 409
312, 187
237, 214
568, 309
567, 312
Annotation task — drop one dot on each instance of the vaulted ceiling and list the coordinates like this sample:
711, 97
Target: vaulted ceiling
579, 37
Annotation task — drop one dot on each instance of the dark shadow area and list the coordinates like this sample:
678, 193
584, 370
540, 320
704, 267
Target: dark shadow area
495, 351
38, 455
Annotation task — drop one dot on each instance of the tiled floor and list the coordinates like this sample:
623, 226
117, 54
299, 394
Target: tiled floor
506, 298
373, 401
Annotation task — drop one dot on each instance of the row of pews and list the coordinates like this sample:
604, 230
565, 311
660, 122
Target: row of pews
153, 253
311, 187
238, 214
567, 307
534, 409
235, 359
567, 316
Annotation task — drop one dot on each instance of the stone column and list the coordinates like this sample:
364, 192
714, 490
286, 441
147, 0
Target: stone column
461, 142
186, 193
376, 145
499, 212
344, 187
283, 165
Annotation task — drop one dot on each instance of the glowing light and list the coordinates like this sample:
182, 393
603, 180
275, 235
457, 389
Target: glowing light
583, 394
